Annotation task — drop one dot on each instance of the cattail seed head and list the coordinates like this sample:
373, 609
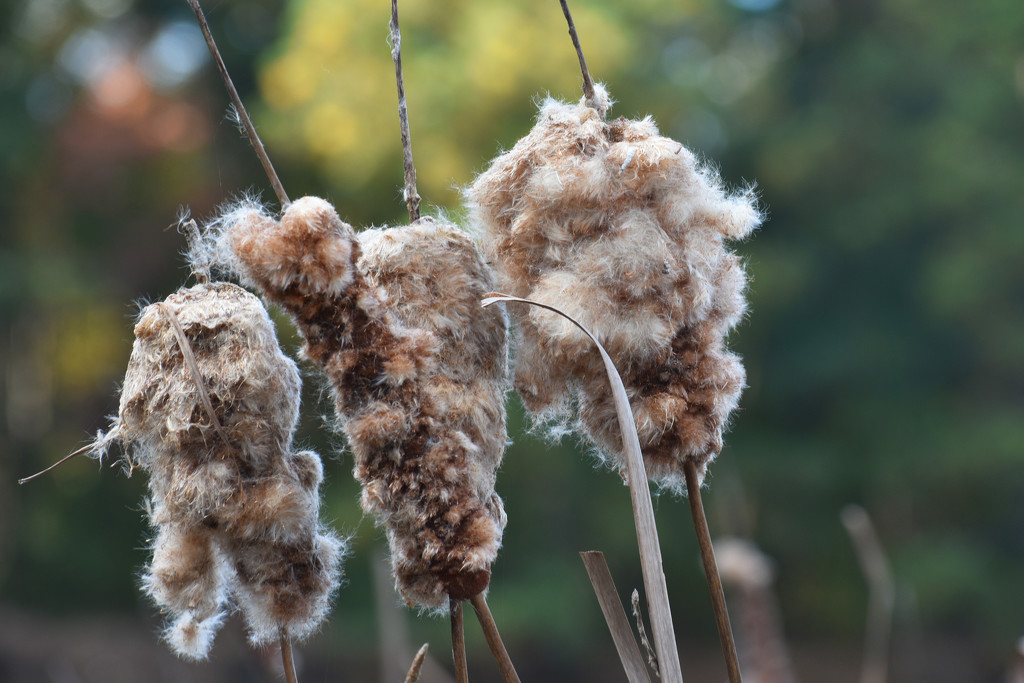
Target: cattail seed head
418, 370
625, 231
208, 408
447, 536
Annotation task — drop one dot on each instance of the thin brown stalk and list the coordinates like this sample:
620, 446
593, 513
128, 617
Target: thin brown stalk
417, 664
287, 658
243, 115
84, 449
707, 554
193, 368
458, 641
881, 593
588, 83
625, 644
643, 509
412, 197
490, 629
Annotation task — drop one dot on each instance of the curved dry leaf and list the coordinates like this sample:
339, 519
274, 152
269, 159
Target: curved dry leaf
643, 509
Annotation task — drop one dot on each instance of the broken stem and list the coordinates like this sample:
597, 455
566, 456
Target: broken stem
458, 641
588, 83
490, 629
250, 130
412, 197
875, 567
417, 664
707, 555
615, 617
287, 658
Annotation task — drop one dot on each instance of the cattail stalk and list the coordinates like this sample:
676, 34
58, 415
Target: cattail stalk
494, 641
412, 197
588, 83
707, 554
458, 641
288, 658
236, 101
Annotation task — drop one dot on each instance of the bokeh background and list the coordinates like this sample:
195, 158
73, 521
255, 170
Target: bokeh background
885, 343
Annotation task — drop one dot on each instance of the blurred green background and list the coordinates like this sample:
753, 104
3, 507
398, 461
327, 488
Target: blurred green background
884, 348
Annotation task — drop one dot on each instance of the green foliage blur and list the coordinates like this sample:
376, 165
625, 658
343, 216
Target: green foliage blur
884, 348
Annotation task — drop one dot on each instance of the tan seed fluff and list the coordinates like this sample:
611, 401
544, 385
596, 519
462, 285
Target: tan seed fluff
234, 507
418, 370
624, 230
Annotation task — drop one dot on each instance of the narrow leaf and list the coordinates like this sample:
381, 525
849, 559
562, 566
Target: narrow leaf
643, 509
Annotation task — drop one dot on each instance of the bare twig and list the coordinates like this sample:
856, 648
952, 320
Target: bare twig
643, 509
458, 641
652, 659
254, 138
417, 664
588, 83
881, 593
707, 554
287, 658
615, 617
193, 368
84, 449
490, 629
412, 197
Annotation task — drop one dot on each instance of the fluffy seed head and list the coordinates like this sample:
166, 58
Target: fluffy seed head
208, 408
625, 231
418, 371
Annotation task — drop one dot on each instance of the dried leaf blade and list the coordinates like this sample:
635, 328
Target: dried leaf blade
643, 509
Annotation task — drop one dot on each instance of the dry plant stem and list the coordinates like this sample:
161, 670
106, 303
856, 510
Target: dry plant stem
490, 629
250, 130
193, 368
652, 659
287, 658
707, 554
417, 664
643, 509
83, 449
614, 615
881, 593
412, 197
588, 83
458, 641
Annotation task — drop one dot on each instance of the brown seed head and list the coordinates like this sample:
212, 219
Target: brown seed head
236, 511
625, 231
418, 370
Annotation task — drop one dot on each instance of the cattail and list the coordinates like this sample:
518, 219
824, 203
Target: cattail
624, 230
751, 573
208, 408
418, 370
